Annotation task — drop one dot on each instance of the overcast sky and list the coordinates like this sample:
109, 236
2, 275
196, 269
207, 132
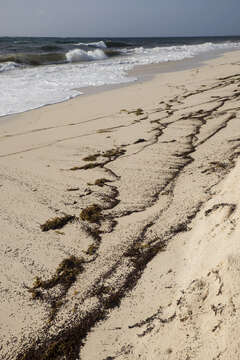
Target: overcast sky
106, 18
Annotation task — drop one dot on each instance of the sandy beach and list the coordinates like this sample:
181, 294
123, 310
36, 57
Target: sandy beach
120, 220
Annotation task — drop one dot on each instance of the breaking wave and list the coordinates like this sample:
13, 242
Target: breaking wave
100, 51
36, 59
24, 85
9, 66
106, 44
98, 44
78, 55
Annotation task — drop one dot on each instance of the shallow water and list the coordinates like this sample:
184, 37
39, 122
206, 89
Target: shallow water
38, 71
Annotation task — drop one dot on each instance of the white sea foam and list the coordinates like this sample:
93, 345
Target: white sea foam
37, 86
99, 44
32, 87
9, 65
78, 55
143, 56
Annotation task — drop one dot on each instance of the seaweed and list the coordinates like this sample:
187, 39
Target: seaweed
55, 306
91, 157
36, 294
90, 166
86, 167
214, 166
65, 274
59, 349
59, 232
139, 141
91, 213
101, 182
113, 153
102, 131
56, 223
232, 208
219, 164
138, 112
181, 227
74, 168
91, 249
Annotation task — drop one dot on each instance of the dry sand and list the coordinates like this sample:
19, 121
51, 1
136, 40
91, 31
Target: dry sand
153, 272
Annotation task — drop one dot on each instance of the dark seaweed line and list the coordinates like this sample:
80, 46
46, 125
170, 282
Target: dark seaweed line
194, 116
139, 261
57, 302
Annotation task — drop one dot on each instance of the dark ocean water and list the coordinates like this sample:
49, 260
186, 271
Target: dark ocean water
39, 71
43, 50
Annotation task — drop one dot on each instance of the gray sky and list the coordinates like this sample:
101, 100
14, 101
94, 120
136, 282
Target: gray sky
119, 18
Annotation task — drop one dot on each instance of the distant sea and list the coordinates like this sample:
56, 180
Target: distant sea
38, 71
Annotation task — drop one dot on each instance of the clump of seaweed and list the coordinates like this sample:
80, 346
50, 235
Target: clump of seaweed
139, 141
58, 349
91, 249
36, 294
56, 223
181, 227
95, 233
215, 166
101, 182
91, 213
113, 153
86, 167
73, 188
90, 166
232, 208
219, 164
138, 112
74, 168
65, 347
55, 306
91, 157
59, 232
65, 274
102, 131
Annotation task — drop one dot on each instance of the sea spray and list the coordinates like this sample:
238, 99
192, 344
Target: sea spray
79, 55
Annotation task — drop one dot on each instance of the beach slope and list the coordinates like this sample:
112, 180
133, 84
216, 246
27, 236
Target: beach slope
120, 220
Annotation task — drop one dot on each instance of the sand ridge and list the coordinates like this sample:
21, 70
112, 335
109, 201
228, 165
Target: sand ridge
147, 181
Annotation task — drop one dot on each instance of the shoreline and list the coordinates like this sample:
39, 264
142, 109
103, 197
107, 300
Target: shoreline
120, 221
143, 72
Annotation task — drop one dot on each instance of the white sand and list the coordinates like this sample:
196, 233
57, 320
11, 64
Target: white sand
160, 272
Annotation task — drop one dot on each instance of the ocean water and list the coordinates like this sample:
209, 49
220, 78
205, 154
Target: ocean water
38, 71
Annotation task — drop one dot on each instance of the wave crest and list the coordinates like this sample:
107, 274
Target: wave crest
98, 44
78, 55
10, 65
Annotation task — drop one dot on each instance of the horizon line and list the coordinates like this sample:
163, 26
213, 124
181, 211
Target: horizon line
119, 37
